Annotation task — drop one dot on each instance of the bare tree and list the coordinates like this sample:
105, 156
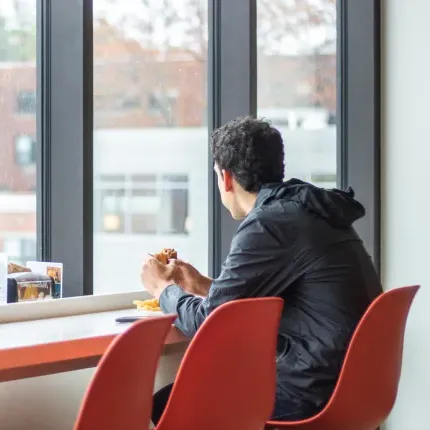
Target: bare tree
183, 24
283, 21
172, 27
18, 32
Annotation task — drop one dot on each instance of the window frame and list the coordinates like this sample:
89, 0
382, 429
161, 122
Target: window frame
358, 104
232, 53
359, 107
65, 140
65, 122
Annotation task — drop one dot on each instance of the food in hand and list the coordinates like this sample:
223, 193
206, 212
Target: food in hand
16, 268
147, 305
165, 255
152, 304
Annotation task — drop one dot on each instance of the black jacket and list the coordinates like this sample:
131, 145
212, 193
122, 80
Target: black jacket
297, 243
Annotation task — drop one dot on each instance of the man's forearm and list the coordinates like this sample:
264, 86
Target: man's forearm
203, 286
174, 300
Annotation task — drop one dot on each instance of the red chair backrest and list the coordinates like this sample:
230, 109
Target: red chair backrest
367, 386
227, 378
120, 393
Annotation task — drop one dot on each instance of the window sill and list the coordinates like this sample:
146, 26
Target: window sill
27, 311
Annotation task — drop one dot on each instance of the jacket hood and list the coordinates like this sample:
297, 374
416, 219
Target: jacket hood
337, 207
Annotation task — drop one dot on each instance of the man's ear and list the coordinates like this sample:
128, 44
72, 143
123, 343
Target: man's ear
228, 180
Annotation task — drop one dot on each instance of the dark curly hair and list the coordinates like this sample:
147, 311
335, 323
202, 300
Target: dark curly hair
250, 149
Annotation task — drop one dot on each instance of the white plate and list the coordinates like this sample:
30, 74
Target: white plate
148, 313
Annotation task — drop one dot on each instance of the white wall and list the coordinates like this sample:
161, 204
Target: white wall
406, 200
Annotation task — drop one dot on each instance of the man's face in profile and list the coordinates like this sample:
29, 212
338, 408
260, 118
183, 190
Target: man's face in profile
221, 186
227, 192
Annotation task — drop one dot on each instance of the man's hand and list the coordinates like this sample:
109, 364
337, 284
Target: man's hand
190, 279
156, 277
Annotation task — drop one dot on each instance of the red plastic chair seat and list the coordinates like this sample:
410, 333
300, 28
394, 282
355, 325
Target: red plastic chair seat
120, 394
367, 386
227, 378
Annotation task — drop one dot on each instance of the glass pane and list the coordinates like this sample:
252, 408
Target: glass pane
18, 129
150, 86
297, 83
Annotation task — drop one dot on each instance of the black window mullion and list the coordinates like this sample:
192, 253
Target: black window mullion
65, 136
359, 112
43, 189
232, 93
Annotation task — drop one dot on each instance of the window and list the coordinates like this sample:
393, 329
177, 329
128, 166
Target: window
161, 206
20, 249
163, 104
17, 139
150, 159
26, 102
124, 145
25, 150
142, 204
297, 83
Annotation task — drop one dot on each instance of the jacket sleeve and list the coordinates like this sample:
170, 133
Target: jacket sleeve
250, 270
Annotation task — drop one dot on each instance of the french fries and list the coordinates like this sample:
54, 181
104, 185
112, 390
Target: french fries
147, 305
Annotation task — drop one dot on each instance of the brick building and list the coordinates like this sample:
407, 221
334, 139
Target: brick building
18, 127
139, 88
135, 88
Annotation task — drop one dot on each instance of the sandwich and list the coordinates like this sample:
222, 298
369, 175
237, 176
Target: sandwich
165, 255
153, 305
16, 268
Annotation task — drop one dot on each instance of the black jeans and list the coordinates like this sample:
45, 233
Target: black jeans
283, 411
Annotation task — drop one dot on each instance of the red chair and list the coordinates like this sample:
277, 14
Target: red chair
227, 378
120, 393
367, 387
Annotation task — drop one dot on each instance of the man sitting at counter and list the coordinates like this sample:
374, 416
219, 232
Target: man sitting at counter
296, 241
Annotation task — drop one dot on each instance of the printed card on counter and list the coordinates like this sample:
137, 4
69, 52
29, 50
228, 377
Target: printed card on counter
54, 270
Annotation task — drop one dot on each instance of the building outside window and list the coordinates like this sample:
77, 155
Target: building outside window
124, 145
297, 83
143, 204
160, 148
25, 150
18, 81
26, 102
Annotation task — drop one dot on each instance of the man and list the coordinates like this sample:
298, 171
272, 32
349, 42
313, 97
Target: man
296, 241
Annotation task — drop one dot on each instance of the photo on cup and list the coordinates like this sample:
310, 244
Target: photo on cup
53, 270
56, 273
